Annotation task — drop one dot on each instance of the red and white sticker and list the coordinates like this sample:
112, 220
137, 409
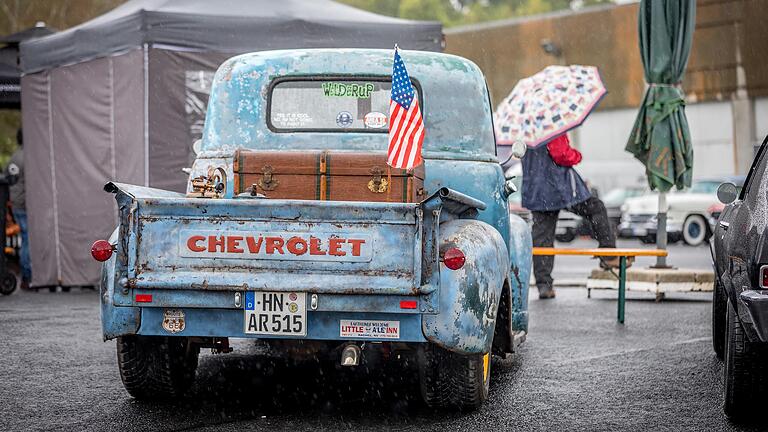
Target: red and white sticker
375, 120
370, 329
349, 247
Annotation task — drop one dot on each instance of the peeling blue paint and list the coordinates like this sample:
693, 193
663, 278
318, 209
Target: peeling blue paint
455, 309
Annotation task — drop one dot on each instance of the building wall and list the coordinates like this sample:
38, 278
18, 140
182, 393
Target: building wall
726, 82
728, 53
761, 119
711, 127
606, 165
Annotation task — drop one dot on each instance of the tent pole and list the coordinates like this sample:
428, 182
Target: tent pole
113, 158
146, 114
54, 189
661, 230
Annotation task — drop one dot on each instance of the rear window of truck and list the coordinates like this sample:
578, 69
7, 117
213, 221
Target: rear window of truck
330, 105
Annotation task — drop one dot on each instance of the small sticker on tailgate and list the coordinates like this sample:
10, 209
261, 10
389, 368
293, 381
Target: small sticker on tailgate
289, 246
370, 329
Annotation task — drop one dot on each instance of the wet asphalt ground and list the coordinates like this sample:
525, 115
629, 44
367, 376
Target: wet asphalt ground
578, 370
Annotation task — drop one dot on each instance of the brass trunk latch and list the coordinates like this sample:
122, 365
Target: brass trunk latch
378, 184
267, 181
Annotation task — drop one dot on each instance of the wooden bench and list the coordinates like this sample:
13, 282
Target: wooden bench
623, 254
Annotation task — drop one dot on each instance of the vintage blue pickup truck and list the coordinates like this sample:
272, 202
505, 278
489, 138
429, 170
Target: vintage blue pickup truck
441, 280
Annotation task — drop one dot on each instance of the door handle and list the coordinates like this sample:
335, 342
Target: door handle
724, 225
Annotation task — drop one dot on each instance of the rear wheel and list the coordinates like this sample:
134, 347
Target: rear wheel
451, 380
744, 372
719, 316
8, 284
568, 236
156, 367
695, 230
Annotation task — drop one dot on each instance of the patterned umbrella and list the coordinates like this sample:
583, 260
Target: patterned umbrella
548, 104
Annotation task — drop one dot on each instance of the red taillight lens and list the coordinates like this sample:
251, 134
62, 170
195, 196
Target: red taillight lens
454, 258
764, 277
143, 298
101, 250
408, 304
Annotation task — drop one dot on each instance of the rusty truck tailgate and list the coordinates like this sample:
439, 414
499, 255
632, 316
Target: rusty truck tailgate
174, 242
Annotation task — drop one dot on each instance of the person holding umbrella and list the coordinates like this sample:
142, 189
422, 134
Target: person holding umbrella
539, 112
552, 184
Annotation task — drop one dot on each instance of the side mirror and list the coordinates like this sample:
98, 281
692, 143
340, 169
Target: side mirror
727, 193
197, 146
518, 149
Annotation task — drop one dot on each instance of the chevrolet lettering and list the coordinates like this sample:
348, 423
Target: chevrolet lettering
276, 246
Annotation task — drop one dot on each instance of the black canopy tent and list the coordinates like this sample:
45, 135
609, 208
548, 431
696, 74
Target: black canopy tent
10, 86
123, 96
231, 26
10, 73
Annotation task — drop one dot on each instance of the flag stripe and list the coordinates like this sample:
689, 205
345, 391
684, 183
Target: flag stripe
406, 125
394, 143
402, 137
409, 133
395, 113
414, 158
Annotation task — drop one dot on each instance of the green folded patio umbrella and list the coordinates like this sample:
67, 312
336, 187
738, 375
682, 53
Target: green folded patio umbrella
660, 138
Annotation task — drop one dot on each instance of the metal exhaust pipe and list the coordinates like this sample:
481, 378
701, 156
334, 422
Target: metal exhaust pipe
350, 355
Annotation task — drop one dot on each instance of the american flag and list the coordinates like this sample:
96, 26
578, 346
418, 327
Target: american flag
406, 127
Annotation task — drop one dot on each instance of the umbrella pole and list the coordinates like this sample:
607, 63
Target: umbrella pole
661, 230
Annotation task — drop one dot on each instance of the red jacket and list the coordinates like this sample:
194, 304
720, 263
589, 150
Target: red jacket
562, 153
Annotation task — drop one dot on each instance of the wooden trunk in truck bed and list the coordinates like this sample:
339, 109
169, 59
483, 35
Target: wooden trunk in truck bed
326, 175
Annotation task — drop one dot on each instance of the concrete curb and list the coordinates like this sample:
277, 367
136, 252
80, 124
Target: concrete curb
657, 281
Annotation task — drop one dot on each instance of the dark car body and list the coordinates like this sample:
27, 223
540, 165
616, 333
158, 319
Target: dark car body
739, 249
740, 301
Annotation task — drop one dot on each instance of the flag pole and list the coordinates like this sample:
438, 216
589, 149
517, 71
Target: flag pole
389, 168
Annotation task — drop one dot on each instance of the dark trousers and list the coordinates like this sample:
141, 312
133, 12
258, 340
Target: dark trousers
544, 223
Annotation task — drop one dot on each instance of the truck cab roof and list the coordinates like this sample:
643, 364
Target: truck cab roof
314, 99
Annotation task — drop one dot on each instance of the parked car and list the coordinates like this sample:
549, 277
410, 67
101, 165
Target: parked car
686, 215
615, 199
740, 298
293, 232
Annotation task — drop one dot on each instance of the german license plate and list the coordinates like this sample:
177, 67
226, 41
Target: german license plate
276, 313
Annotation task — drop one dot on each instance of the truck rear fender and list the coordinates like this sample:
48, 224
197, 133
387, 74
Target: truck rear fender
468, 297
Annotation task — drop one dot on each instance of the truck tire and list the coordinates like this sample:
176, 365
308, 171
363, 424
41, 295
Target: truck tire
451, 380
744, 372
719, 316
156, 367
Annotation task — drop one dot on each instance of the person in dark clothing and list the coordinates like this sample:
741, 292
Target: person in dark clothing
19, 207
550, 184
